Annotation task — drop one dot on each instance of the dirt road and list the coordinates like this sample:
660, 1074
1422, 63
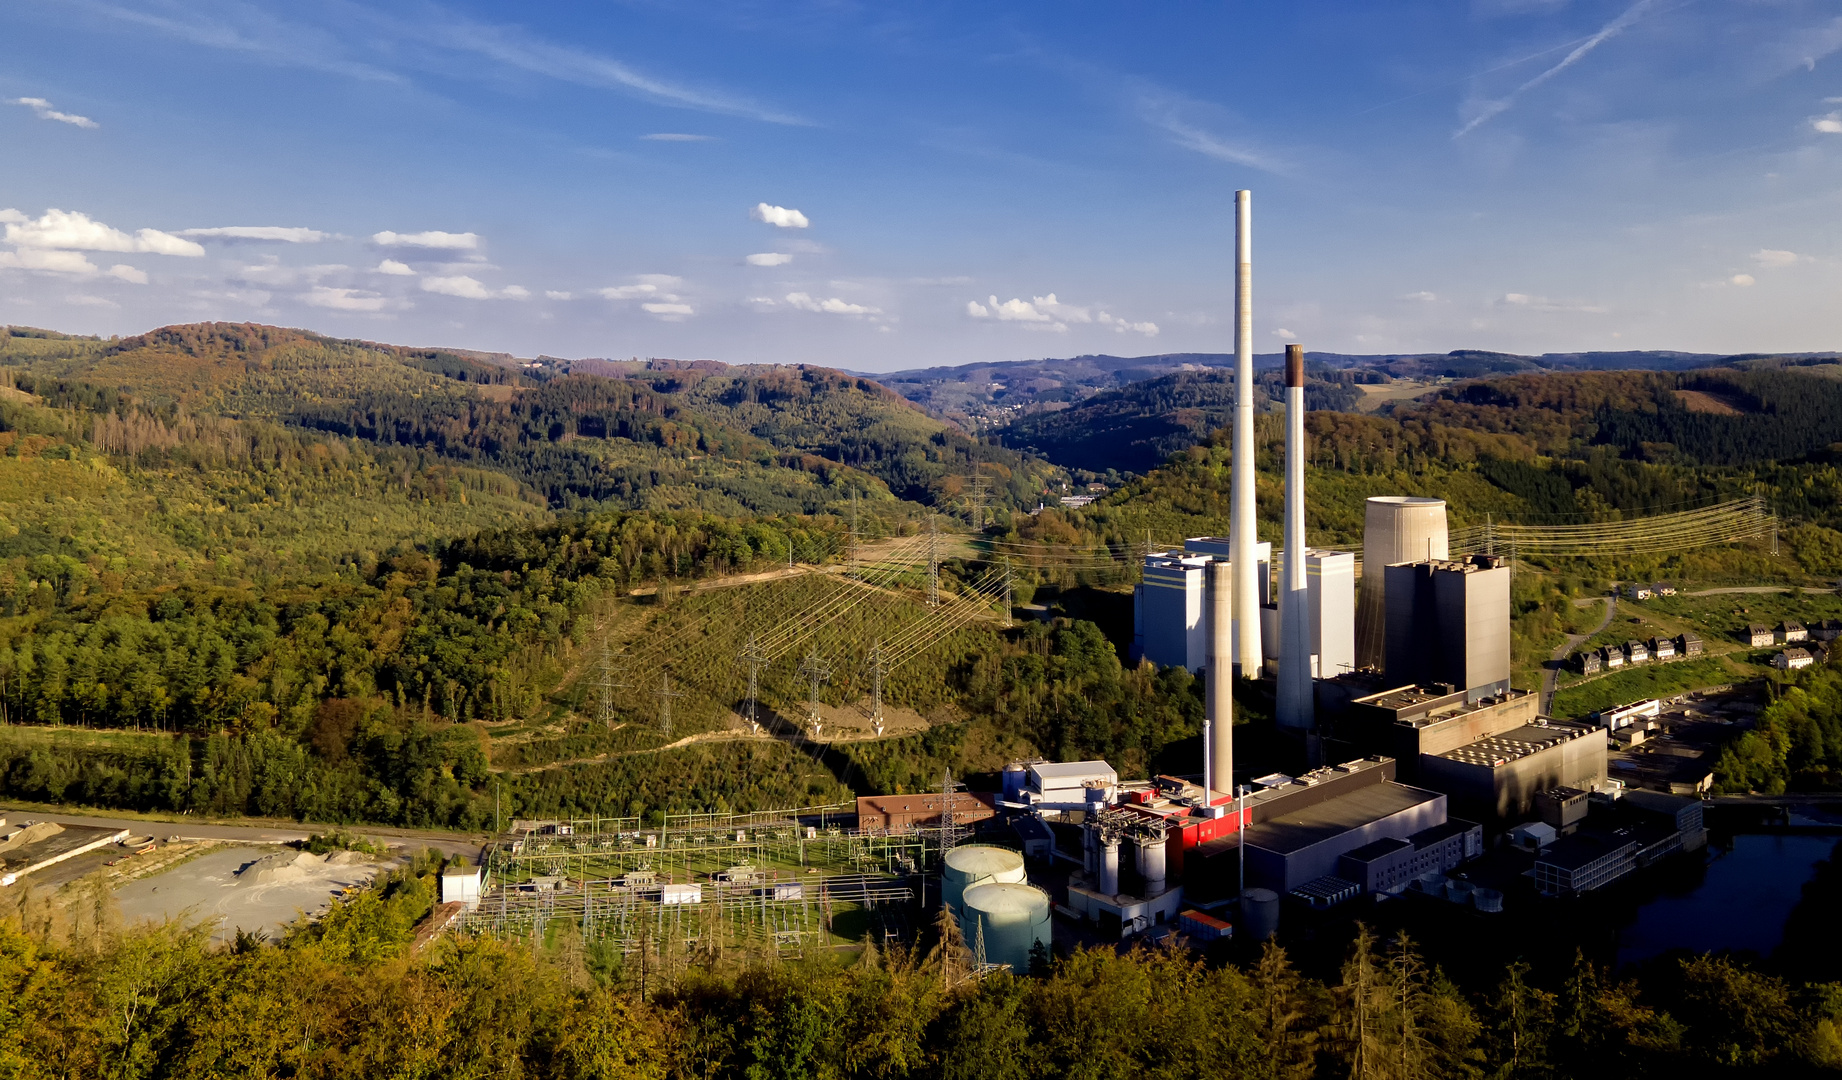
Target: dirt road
1559, 656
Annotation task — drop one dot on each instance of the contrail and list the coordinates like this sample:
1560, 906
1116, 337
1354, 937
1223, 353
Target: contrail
1610, 30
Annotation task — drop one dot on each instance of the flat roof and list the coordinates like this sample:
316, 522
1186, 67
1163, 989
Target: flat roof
1582, 850
1444, 831
1072, 770
1299, 829
1499, 750
1379, 849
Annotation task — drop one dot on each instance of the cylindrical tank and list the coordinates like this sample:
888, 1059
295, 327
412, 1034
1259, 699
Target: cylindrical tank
1487, 899
975, 864
1458, 891
1014, 918
1109, 867
1396, 529
1151, 864
1260, 914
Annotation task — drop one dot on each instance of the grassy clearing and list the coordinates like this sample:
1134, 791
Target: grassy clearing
1651, 680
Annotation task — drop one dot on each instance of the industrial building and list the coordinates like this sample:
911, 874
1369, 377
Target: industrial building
1409, 723
1168, 626
1331, 610
905, 813
1448, 622
1628, 834
1499, 777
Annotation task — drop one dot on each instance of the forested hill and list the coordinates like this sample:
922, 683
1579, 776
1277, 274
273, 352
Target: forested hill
1135, 428
730, 440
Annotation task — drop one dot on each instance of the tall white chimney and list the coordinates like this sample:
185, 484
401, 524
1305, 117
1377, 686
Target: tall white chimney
1295, 705
1241, 485
1218, 707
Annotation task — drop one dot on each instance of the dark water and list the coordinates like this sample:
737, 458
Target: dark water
1739, 900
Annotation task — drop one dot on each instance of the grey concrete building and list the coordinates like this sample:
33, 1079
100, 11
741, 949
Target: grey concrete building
1448, 622
1498, 778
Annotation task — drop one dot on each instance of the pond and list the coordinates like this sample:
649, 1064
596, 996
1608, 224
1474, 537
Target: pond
1738, 900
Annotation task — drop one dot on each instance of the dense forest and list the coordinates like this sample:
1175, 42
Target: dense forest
348, 996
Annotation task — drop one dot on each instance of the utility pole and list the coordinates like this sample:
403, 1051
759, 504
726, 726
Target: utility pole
933, 561
876, 688
816, 672
754, 656
665, 694
853, 537
1007, 592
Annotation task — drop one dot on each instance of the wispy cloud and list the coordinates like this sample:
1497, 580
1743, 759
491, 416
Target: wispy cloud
1050, 313
674, 136
1774, 259
281, 234
1170, 113
516, 49
1527, 302
45, 112
322, 296
769, 258
1490, 110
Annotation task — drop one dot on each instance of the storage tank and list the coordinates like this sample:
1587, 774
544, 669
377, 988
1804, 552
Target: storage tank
1014, 917
1260, 913
975, 864
1396, 529
1109, 867
1151, 864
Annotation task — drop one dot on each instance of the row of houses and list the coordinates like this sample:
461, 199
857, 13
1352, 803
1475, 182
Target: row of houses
1612, 657
1759, 635
1800, 656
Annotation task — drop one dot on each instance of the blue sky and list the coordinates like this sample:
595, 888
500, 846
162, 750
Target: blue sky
879, 186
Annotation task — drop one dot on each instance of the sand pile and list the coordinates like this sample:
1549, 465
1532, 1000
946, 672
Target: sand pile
347, 858
283, 866
32, 834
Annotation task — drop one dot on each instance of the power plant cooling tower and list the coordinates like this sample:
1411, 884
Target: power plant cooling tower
1396, 529
1014, 918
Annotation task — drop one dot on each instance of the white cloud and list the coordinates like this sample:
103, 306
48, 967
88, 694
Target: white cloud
90, 301
442, 241
344, 299
1542, 303
1742, 280
831, 306
1012, 310
1828, 125
46, 112
781, 216
769, 258
128, 273
667, 309
1285, 335
1422, 295
283, 234
555, 295
1149, 329
1774, 260
9, 216
393, 268
674, 136
468, 288
75, 231
646, 287
57, 262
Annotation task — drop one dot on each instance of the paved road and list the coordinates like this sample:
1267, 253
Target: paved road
447, 843
1752, 589
1552, 674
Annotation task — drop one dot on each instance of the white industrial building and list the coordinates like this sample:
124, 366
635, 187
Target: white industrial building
1167, 608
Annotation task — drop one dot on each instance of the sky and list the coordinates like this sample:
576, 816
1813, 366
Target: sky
895, 185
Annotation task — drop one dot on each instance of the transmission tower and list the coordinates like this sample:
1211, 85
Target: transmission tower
1007, 592
754, 656
876, 688
978, 495
933, 562
816, 672
609, 681
853, 537
665, 694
